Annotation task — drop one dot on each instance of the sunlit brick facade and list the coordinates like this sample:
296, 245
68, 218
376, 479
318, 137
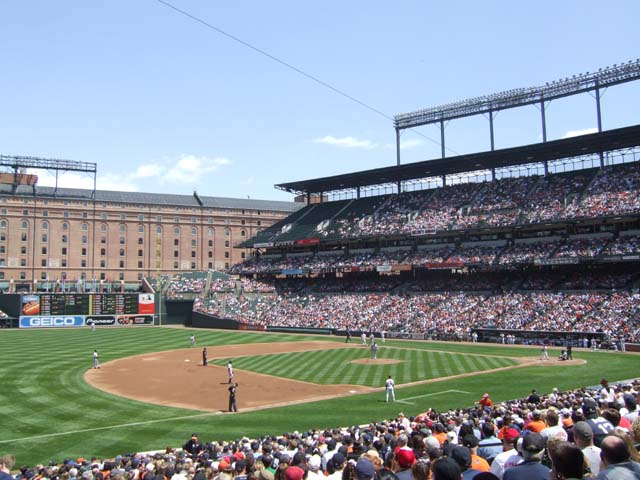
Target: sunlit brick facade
123, 235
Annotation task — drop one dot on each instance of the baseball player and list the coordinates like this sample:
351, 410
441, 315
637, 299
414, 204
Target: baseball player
230, 371
233, 406
96, 363
390, 389
374, 350
192, 341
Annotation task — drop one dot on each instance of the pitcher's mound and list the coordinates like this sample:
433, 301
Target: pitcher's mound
378, 361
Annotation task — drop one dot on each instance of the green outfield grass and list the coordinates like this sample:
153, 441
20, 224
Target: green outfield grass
334, 366
48, 412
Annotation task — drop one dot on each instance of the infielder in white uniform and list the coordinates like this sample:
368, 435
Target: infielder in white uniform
230, 371
390, 389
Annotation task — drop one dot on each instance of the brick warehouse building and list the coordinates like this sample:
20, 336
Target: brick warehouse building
50, 234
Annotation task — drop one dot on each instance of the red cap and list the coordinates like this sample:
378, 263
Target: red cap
511, 435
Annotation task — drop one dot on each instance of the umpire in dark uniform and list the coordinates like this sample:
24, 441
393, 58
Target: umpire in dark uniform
233, 406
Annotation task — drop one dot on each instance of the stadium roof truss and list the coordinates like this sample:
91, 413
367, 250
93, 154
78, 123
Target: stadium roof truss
21, 163
519, 97
517, 158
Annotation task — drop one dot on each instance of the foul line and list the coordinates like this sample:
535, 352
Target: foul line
124, 425
405, 400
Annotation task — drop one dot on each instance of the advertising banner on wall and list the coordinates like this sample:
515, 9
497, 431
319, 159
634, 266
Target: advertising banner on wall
146, 303
79, 309
66, 321
58, 321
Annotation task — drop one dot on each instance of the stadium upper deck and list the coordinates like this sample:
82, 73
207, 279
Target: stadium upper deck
522, 203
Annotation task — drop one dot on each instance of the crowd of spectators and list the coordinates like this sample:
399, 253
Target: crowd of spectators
250, 285
508, 254
614, 190
548, 199
431, 305
623, 245
222, 285
581, 433
526, 252
181, 284
581, 248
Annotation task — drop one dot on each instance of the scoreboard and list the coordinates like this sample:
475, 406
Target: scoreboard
81, 304
80, 309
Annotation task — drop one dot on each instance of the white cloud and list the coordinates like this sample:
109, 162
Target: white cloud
347, 142
107, 181
148, 171
191, 169
577, 133
188, 169
250, 180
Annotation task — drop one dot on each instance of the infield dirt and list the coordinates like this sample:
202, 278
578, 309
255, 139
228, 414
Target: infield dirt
177, 378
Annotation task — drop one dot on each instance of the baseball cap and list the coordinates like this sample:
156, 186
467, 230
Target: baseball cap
470, 441
511, 435
589, 407
629, 401
583, 429
405, 457
337, 459
461, 455
534, 442
364, 469
293, 473
238, 456
314, 462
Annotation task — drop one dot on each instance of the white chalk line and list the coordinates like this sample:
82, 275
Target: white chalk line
124, 425
184, 417
406, 400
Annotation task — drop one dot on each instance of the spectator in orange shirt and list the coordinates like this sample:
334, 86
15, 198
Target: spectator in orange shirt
477, 462
536, 425
440, 434
485, 401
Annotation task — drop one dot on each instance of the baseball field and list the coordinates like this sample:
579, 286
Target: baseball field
152, 390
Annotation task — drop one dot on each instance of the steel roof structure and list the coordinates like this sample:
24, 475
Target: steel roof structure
595, 143
603, 78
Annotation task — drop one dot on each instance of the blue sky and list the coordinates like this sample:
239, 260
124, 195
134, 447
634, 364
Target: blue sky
163, 104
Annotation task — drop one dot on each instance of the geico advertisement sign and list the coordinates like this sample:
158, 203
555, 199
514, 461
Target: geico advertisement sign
53, 321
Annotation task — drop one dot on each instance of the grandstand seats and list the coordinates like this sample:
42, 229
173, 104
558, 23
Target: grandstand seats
508, 282
442, 304
505, 202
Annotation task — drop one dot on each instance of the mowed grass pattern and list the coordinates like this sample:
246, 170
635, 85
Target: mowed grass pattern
329, 367
43, 390
48, 412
